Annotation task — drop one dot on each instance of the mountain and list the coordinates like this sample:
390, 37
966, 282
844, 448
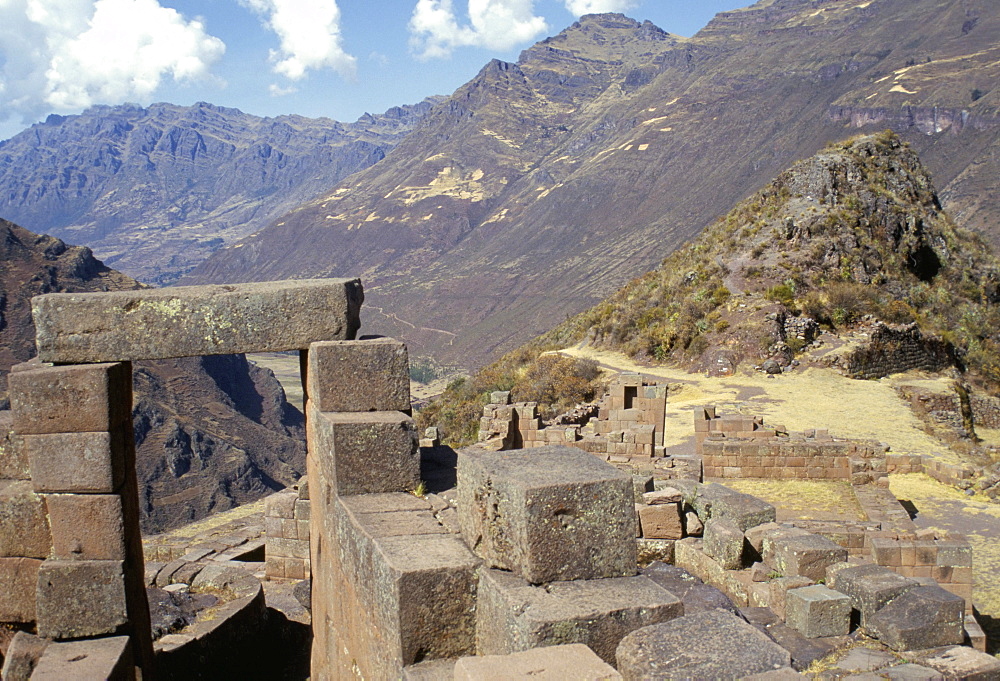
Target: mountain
211, 432
856, 233
539, 188
155, 190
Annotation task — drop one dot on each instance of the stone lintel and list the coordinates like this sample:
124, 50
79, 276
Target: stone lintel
188, 321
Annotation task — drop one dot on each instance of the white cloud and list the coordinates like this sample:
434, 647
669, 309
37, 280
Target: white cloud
581, 7
309, 35
276, 90
70, 54
494, 24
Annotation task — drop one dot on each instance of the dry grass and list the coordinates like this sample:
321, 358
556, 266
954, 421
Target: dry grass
810, 398
804, 499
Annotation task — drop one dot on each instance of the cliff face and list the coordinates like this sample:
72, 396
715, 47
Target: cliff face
211, 432
540, 187
155, 190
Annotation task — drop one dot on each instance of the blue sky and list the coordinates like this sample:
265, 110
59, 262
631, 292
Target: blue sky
335, 58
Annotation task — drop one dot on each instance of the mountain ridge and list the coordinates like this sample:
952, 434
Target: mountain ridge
153, 190
540, 187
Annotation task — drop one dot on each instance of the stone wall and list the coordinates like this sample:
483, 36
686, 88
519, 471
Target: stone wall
735, 446
286, 523
894, 349
71, 556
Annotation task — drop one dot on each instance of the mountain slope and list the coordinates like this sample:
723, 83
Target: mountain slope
854, 232
211, 432
540, 187
155, 190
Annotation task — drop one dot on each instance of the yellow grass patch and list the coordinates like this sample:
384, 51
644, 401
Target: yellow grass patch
804, 499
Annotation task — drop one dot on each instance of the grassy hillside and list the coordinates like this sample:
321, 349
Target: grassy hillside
855, 230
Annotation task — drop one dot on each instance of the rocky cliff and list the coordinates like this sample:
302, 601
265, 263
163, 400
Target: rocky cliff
154, 191
211, 432
542, 186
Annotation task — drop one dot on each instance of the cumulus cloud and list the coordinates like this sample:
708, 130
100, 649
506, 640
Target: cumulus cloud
74, 53
309, 36
496, 24
581, 7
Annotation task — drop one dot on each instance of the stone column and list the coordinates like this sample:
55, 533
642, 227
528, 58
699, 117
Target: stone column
76, 427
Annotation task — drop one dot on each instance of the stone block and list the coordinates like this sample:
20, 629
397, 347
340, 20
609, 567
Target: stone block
777, 592
723, 542
86, 526
13, 458
430, 670
19, 577
640, 485
24, 526
818, 611
195, 320
513, 615
805, 555
104, 658
716, 501
959, 662
365, 453
573, 662
396, 599
362, 375
694, 594
923, 617
871, 587
71, 399
22, 656
79, 599
712, 645
554, 513
92, 463
662, 521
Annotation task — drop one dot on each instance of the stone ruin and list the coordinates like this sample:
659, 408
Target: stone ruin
520, 563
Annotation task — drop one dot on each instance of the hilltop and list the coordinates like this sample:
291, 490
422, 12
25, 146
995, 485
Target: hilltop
155, 190
211, 432
540, 187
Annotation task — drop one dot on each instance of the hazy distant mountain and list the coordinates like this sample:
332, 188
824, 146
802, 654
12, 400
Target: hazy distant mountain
153, 191
211, 432
540, 187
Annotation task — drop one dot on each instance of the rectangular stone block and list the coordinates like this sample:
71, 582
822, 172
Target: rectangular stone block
513, 615
723, 541
395, 599
92, 463
662, 521
363, 375
551, 662
71, 399
717, 501
195, 320
365, 453
80, 599
24, 526
806, 555
104, 658
19, 577
870, 587
817, 611
554, 513
13, 458
86, 526
923, 617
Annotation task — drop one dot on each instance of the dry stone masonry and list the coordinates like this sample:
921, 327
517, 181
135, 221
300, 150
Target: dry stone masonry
524, 562
72, 551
